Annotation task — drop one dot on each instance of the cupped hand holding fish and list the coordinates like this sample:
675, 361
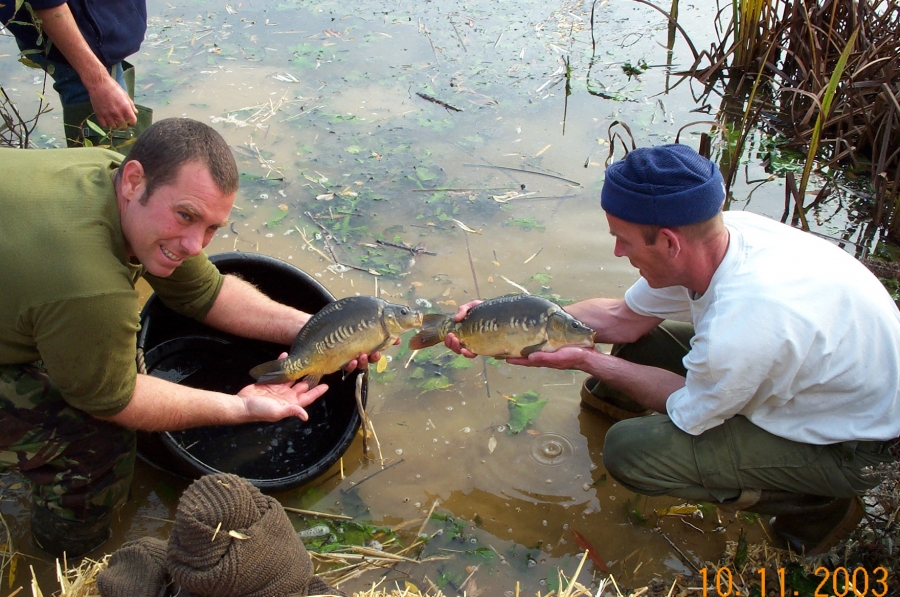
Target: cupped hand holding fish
273, 402
567, 357
451, 341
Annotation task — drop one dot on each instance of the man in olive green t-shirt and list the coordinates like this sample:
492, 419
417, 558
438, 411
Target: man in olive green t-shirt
78, 227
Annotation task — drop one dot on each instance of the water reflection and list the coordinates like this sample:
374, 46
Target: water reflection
337, 151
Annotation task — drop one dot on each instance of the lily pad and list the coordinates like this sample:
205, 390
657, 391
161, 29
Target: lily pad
524, 410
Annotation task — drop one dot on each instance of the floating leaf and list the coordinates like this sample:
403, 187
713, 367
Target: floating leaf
492, 444
524, 410
600, 481
460, 362
592, 552
465, 228
436, 383
634, 515
542, 279
381, 365
325, 197
527, 224
682, 510
278, 217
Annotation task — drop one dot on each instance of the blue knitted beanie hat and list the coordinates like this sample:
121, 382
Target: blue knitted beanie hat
669, 185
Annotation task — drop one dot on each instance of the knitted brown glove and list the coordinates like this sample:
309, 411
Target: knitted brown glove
230, 540
137, 569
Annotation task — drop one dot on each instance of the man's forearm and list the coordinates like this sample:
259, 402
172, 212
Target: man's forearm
59, 25
159, 405
648, 386
242, 310
111, 103
612, 321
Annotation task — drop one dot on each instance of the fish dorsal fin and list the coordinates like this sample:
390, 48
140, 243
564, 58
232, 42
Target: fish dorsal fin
321, 319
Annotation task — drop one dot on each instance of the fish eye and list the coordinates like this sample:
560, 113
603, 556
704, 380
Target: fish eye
404, 311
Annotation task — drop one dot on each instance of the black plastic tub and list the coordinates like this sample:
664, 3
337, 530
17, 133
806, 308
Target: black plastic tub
273, 456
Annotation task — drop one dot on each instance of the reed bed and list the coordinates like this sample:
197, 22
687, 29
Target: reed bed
822, 77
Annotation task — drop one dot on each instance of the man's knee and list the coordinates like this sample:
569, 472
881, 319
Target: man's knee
651, 456
624, 451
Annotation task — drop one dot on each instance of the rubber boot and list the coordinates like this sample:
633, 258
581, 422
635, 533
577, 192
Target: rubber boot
610, 403
82, 130
808, 524
56, 535
817, 526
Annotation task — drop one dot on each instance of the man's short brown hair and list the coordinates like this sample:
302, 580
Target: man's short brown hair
696, 231
168, 144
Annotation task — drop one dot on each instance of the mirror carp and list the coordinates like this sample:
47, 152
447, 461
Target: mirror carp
508, 326
337, 334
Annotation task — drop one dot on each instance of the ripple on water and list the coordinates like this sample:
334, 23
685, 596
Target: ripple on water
551, 449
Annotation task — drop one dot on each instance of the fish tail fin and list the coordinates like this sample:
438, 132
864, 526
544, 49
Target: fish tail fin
271, 372
434, 328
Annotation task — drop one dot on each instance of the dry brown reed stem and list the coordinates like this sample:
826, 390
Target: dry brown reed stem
777, 56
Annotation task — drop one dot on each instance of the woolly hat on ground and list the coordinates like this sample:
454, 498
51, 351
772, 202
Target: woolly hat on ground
137, 569
669, 185
230, 540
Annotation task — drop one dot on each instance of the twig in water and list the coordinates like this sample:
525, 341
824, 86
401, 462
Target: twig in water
574, 182
427, 518
327, 258
535, 255
458, 36
438, 102
522, 288
472, 266
427, 33
378, 472
463, 190
360, 380
325, 234
318, 514
419, 249
681, 553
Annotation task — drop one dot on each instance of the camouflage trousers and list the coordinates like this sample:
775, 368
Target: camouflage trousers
80, 467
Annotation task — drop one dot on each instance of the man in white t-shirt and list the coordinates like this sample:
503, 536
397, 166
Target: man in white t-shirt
772, 355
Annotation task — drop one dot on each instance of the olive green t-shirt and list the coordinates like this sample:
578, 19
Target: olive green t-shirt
67, 294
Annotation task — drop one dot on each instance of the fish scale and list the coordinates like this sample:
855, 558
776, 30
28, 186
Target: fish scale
337, 334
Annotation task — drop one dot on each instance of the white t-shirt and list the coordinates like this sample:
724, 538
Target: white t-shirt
793, 333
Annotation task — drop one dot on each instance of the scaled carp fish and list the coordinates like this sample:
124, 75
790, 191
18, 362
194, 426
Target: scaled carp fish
508, 326
337, 334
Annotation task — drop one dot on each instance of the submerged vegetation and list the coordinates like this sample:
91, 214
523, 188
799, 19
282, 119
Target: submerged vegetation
819, 81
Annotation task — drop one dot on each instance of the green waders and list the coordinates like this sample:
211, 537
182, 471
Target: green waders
737, 464
80, 467
83, 130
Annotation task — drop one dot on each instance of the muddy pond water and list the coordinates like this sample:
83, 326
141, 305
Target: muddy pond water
477, 132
